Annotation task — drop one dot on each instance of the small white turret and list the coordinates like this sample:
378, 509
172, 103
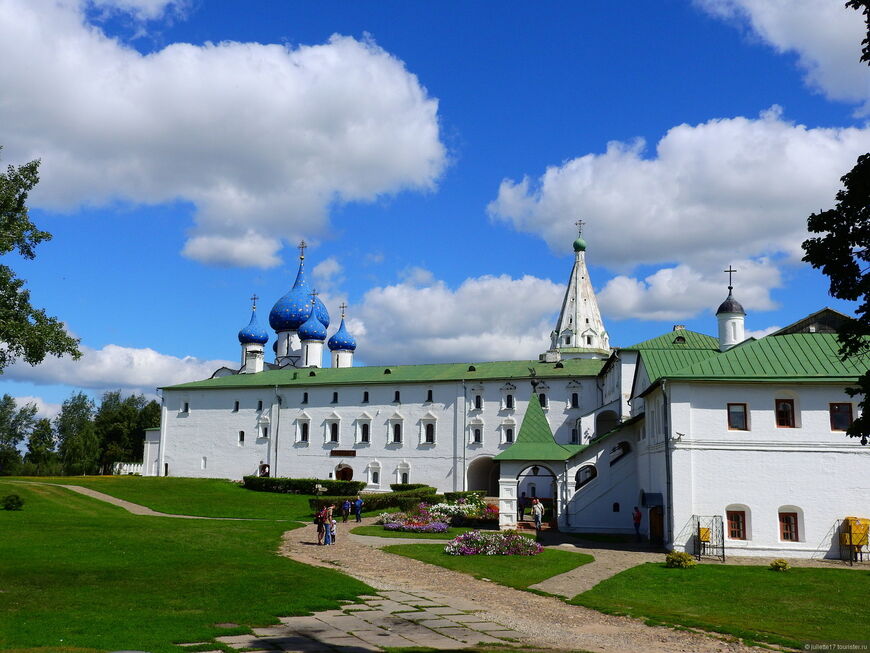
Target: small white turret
252, 338
342, 344
312, 333
731, 317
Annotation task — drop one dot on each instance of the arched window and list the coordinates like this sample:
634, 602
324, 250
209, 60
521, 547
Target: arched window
430, 433
429, 396
335, 397
397, 432
509, 402
304, 397
585, 475
376, 478
260, 405
303, 432
508, 435
397, 397
790, 523
739, 522
333, 432
364, 432
365, 397
478, 435
236, 407
241, 438
543, 399
575, 400
616, 507
404, 478
478, 402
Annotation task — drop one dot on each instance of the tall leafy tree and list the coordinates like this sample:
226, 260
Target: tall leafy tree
41, 447
120, 424
15, 425
78, 443
26, 332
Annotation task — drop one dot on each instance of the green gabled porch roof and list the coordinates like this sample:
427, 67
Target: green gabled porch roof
797, 357
392, 374
535, 440
679, 340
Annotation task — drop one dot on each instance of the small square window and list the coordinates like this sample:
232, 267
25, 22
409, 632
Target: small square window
841, 416
737, 418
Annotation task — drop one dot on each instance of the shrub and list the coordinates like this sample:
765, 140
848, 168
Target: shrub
379, 501
401, 487
302, 485
780, 565
679, 560
507, 543
12, 502
416, 527
456, 496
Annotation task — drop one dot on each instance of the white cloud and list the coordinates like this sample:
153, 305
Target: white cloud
485, 318
43, 408
760, 333
261, 139
139, 9
115, 367
682, 291
825, 35
417, 276
327, 274
718, 191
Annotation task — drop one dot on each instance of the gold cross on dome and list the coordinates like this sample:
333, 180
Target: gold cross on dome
342, 308
302, 246
254, 299
580, 224
730, 271
314, 295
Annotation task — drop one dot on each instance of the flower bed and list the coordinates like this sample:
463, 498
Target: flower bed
437, 518
411, 527
508, 543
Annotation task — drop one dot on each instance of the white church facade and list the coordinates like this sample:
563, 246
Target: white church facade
721, 442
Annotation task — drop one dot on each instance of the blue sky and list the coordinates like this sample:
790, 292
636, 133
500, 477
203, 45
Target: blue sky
436, 155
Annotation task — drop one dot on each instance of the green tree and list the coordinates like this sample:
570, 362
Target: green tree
78, 443
26, 332
15, 425
843, 254
41, 447
120, 424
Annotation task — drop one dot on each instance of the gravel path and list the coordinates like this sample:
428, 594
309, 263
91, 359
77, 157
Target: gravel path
541, 621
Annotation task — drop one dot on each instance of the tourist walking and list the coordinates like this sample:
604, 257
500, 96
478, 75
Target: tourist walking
636, 516
345, 510
538, 514
319, 518
357, 508
522, 504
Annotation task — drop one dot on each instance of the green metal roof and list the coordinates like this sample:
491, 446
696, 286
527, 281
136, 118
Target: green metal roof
394, 374
671, 341
664, 362
792, 357
535, 440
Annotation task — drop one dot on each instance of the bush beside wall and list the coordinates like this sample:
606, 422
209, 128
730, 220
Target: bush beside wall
456, 496
381, 501
401, 487
301, 485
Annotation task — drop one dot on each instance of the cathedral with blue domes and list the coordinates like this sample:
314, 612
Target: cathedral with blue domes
714, 436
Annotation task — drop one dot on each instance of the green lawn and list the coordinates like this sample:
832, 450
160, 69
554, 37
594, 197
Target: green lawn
514, 571
799, 606
204, 497
80, 573
379, 531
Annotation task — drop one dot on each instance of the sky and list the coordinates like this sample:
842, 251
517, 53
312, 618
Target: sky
435, 156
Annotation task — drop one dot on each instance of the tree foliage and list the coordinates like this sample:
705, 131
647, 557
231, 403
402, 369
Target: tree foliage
864, 7
26, 332
41, 454
120, 425
843, 254
78, 442
15, 425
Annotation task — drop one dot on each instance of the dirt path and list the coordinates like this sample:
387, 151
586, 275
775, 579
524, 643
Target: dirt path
541, 621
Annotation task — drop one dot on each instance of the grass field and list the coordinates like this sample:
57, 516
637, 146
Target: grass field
800, 606
203, 497
80, 573
514, 571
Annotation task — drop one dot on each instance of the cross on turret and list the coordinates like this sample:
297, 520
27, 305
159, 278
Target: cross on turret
730, 271
314, 295
342, 308
580, 224
254, 299
302, 246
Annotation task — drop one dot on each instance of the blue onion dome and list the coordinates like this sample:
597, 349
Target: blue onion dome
321, 312
294, 308
312, 329
253, 333
341, 340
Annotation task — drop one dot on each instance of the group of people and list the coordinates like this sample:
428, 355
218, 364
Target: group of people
327, 524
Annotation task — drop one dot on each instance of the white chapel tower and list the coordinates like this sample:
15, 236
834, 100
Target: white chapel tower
579, 331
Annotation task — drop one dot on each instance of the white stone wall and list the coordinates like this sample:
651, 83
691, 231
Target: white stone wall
209, 429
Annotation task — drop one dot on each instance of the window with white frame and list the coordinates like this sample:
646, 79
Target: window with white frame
363, 430
428, 429
508, 431
303, 428
543, 391
508, 395
263, 426
573, 390
403, 472
396, 429
374, 473
332, 427
475, 431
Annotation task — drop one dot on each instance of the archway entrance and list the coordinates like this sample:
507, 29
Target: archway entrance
605, 421
343, 473
539, 482
483, 475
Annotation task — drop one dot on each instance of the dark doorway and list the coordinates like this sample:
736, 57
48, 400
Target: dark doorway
656, 525
344, 474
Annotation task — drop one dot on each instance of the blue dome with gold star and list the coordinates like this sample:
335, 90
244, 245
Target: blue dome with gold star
321, 312
341, 340
312, 329
294, 308
253, 333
